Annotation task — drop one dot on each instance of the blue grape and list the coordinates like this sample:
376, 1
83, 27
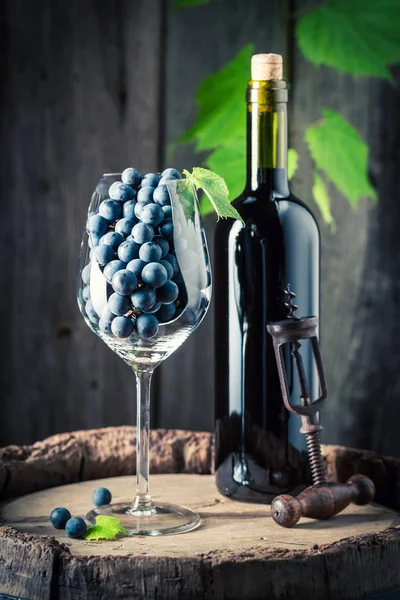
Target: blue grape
131, 176
97, 225
172, 259
171, 173
150, 179
93, 240
142, 233
59, 517
165, 180
122, 327
166, 229
104, 254
136, 266
91, 313
164, 245
101, 496
168, 292
86, 274
128, 251
121, 191
75, 527
161, 196
169, 268
105, 321
145, 194
110, 210
152, 214
167, 210
111, 268
112, 238
150, 252
119, 305
105, 325
124, 226
153, 309
124, 282
154, 274
128, 209
86, 293
139, 207
166, 312
143, 298
146, 326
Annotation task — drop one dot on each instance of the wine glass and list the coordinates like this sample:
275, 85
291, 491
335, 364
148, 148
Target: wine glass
143, 286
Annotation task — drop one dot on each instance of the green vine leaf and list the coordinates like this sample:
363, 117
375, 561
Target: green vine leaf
361, 37
322, 200
229, 161
293, 162
106, 528
215, 189
221, 116
338, 150
187, 197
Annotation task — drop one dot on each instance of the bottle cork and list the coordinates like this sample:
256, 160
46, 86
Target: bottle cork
266, 67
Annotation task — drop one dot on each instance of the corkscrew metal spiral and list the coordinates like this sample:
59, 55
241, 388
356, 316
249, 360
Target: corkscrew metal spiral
288, 298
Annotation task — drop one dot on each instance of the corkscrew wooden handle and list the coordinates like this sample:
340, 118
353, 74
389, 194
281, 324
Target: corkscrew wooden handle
322, 501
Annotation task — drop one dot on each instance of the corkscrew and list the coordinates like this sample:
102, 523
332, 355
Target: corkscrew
323, 499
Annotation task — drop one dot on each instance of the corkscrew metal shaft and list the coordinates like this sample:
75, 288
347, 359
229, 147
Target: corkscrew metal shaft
321, 500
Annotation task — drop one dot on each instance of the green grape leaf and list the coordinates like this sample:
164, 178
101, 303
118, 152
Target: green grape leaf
322, 200
188, 3
215, 188
229, 161
293, 161
106, 528
361, 37
220, 116
187, 197
338, 150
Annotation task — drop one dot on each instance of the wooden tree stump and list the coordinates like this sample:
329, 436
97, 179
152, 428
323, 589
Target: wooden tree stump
237, 552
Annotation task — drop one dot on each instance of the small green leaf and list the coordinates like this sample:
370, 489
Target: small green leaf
188, 3
361, 37
187, 197
215, 188
106, 528
322, 200
337, 149
293, 160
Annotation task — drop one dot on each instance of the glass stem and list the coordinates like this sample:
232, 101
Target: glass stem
143, 503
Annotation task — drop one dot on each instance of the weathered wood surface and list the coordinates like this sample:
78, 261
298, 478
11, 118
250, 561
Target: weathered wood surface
238, 552
233, 536
79, 97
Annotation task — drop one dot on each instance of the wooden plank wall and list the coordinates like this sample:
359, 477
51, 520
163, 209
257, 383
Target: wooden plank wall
80, 97
90, 86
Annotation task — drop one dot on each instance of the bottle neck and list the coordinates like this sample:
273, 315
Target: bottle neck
267, 138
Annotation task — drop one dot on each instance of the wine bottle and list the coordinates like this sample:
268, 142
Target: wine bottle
265, 269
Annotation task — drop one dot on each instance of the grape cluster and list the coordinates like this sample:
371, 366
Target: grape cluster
131, 238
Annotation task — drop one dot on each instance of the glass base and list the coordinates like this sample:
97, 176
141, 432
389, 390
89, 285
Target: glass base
162, 519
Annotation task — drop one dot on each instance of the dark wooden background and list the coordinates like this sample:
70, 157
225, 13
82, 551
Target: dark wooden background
89, 87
